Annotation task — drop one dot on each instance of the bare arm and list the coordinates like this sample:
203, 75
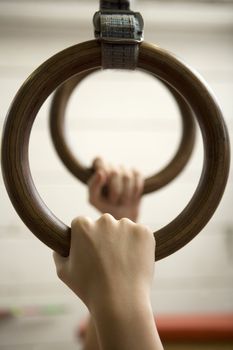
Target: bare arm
127, 326
124, 197
110, 267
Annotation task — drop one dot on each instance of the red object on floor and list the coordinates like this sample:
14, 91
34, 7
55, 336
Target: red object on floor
212, 327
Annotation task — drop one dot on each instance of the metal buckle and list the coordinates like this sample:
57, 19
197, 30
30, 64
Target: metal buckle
138, 34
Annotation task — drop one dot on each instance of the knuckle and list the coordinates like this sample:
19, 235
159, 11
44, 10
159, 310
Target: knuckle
114, 173
125, 221
113, 169
139, 180
106, 218
143, 231
138, 177
148, 233
146, 230
75, 222
136, 173
81, 222
97, 161
138, 229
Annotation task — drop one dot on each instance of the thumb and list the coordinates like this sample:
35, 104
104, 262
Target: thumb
98, 163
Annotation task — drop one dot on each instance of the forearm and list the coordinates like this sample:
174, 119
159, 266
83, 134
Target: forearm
91, 340
126, 324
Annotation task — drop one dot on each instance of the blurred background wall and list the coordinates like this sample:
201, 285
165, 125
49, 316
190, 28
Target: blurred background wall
197, 279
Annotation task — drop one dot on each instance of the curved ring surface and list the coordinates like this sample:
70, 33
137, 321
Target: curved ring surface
78, 59
83, 173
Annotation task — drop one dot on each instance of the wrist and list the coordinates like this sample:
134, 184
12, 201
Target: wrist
119, 302
126, 324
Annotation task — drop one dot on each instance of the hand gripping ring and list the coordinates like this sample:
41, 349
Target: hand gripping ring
78, 59
153, 183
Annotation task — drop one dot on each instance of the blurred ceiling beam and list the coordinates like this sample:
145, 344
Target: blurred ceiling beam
77, 15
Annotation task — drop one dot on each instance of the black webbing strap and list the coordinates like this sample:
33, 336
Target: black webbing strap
120, 31
114, 5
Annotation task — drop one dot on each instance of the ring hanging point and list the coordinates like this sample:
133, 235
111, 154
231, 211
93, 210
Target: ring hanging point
120, 32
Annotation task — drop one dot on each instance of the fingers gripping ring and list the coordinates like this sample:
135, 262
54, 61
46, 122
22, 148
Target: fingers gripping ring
152, 183
78, 59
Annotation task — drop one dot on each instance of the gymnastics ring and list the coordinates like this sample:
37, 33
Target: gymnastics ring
80, 58
153, 183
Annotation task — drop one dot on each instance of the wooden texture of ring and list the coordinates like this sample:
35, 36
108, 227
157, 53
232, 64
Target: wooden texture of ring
80, 58
153, 183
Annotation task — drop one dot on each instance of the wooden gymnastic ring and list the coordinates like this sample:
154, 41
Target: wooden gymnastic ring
58, 135
77, 59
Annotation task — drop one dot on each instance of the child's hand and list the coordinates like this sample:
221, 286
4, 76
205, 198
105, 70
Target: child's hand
110, 263
124, 190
